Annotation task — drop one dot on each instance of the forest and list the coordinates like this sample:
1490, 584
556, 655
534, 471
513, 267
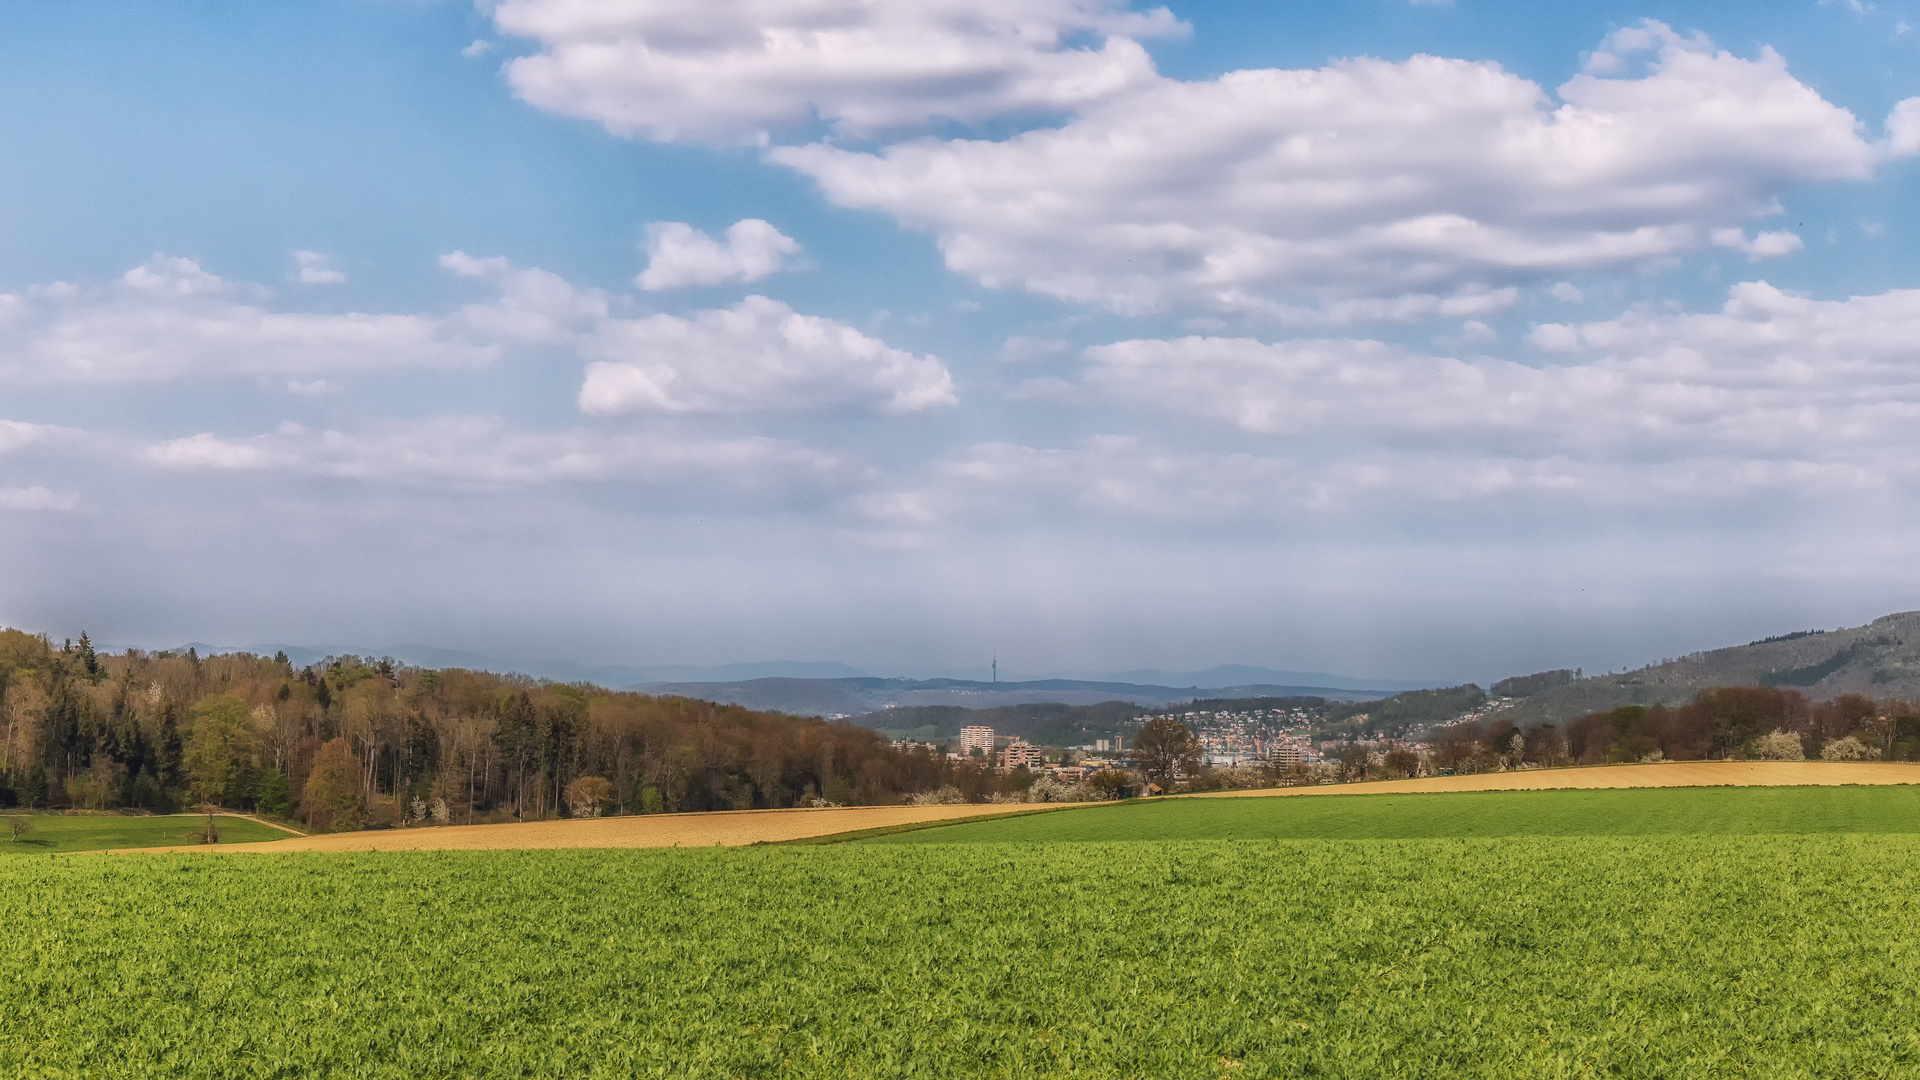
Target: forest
355, 742
1724, 722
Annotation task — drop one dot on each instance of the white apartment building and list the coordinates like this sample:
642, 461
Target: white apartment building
976, 737
1288, 754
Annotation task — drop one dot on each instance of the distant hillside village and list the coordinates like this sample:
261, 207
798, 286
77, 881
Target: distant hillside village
359, 742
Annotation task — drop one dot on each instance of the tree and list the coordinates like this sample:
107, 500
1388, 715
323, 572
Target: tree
88, 660
1401, 761
587, 795
19, 826
1165, 750
1780, 746
222, 733
271, 795
1847, 749
332, 797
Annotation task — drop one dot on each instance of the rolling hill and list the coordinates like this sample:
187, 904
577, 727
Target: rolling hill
857, 697
1880, 659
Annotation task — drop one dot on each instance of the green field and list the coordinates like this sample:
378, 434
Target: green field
1551, 957
102, 832
1640, 812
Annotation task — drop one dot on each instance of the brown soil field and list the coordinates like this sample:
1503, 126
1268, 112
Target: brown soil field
1661, 774
729, 828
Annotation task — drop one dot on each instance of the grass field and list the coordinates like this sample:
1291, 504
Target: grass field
1678, 811
99, 832
1664, 956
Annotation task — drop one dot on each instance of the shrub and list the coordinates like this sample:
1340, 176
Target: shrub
1780, 746
1847, 749
946, 796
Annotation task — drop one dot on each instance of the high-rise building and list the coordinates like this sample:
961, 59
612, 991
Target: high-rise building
1020, 752
976, 737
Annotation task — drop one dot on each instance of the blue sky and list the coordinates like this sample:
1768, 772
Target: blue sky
1433, 341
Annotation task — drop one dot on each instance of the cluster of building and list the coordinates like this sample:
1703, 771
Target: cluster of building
1229, 737
1252, 736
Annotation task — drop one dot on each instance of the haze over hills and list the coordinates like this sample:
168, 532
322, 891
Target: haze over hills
1229, 676
1880, 660
856, 697
609, 675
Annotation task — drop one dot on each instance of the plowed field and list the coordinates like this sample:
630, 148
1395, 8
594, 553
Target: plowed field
727, 828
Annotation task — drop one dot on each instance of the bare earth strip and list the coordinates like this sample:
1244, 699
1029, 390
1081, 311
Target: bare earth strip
729, 828
1662, 774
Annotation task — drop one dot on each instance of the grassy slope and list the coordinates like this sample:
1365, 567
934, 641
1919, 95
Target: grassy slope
1444, 958
99, 832
1640, 812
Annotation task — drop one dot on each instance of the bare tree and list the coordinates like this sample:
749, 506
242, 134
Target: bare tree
1166, 750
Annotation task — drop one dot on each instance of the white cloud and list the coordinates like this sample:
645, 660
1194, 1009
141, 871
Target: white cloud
469, 266
317, 269
680, 255
1771, 377
734, 70
1566, 292
1903, 128
479, 48
535, 305
484, 452
38, 498
18, 435
1766, 245
1396, 189
758, 355
171, 319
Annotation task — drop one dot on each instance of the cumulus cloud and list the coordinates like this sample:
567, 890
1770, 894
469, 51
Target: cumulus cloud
1766, 245
317, 269
1396, 189
535, 306
734, 70
170, 318
679, 255
1770, 376
485, 452
759, 355
1903, 128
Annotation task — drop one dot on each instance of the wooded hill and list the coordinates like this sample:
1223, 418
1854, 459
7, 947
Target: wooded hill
353, 740
1049, 724
1879, 660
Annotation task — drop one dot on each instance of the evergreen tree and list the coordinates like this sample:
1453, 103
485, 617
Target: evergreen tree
170, 758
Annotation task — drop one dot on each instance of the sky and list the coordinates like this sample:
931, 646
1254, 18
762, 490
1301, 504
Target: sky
1433, 341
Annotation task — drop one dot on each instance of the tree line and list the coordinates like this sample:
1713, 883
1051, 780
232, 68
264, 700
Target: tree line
1730, 722
355, 741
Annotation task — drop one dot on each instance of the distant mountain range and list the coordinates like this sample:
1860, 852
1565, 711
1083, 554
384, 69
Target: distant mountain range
786, 685
858, 696
1880, 660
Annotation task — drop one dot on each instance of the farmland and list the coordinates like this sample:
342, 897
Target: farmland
1694, 811
93, 832
1774, 956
